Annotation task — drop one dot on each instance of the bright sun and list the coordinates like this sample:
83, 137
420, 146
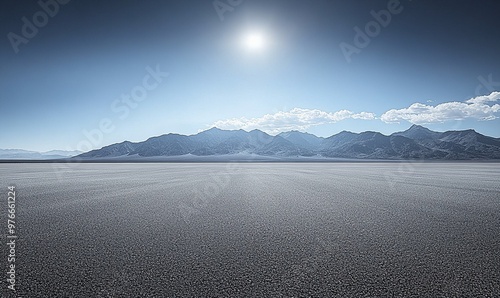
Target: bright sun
254, 41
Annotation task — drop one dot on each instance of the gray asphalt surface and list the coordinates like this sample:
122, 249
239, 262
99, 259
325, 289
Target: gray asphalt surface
255, 230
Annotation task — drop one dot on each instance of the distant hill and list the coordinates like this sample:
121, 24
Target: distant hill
415, 143
29, 155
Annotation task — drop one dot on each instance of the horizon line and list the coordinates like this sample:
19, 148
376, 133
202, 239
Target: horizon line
247, 131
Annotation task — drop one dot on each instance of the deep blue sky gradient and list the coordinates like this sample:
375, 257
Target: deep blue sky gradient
66, 78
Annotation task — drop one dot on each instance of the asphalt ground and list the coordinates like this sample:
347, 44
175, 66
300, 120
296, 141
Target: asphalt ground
254, 230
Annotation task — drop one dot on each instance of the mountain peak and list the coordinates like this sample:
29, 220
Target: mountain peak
214, 129
346, 132
210, 131
257, 131
418, 132
417, 127
294, 132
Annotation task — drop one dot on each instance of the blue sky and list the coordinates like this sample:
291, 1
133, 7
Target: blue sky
65, 87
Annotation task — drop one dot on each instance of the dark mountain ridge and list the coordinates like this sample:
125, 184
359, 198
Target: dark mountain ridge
415, 143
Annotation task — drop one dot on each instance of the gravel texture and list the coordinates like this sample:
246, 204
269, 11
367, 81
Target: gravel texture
255, 230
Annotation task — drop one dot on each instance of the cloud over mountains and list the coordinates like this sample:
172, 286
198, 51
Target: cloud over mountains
295, 119
481, 108
474, 108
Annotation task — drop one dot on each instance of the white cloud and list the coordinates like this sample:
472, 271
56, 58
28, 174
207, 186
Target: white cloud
295, 119
494, 96
474, 108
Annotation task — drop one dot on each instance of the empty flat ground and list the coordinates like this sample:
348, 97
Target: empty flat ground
256, 230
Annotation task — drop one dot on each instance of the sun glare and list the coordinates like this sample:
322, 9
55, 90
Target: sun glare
254, 41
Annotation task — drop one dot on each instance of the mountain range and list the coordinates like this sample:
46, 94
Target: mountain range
415, 143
